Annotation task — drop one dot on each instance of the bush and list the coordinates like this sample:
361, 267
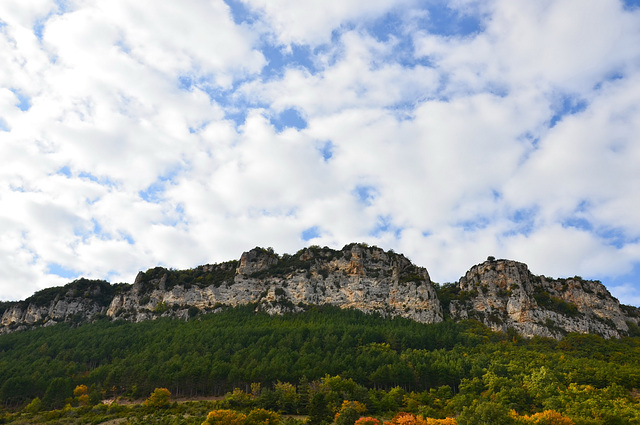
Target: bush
367, 421
262, 417
34, 407
548, 417
225, 417
159, 399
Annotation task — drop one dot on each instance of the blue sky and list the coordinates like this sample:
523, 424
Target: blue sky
137, 134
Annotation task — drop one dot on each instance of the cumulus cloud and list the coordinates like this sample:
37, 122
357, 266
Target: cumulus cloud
313, 22
143, 134
553, 45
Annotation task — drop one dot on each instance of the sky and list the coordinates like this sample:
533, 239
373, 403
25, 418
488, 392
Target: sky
142, 133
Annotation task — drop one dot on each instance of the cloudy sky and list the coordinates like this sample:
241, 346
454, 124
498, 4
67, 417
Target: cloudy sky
143, 133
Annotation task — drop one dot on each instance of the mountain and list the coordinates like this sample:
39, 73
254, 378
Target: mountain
502, 294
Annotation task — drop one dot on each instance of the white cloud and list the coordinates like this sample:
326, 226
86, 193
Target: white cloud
195, 36
313, 21
356, 73
626, 293
587, 159
20, 273
560, 251
123, 149
554, 45
25, 14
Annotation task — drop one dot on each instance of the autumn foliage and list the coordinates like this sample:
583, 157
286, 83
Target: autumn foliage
404, 418
158, 399
548, 417
349, 412
367, 421
446, 421
231, 417
81, 395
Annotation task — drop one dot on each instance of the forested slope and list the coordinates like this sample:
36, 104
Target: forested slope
389, 365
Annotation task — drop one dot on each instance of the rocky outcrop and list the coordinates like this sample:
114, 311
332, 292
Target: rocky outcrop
360, 277
502, 294
78, 302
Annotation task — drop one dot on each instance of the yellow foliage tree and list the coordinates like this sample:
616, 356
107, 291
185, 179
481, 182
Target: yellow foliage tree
225, 417
404, 418
158, 399
81, 395
83, 400
548, 417
446, 421
80, 390
351, 409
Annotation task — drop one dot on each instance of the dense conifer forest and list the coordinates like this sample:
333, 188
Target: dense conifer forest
321, 366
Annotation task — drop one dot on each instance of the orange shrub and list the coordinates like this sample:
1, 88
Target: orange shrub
404, 418
367, 421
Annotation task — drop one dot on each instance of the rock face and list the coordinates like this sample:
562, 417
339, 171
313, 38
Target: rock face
502, 294
77, 302
368, 279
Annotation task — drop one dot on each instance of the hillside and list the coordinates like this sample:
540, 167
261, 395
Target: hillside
502, 294
308, 363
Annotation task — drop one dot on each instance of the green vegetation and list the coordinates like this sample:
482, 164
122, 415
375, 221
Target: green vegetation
325, 365
448, 292
545, 300
317, 258
302, 260
201, 276
99, 291
305, 259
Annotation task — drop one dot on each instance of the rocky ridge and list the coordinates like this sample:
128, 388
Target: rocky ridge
502, 294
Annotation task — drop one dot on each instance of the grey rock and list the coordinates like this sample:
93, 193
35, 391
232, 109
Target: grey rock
502, 294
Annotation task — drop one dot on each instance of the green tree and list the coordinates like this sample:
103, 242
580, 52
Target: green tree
262, 417
486, 413
286, 397
347, 416
319, 411
57, 392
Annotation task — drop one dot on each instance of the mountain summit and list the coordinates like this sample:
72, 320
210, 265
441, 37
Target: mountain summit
502, 294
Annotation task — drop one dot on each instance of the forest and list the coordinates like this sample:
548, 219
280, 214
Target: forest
325, 365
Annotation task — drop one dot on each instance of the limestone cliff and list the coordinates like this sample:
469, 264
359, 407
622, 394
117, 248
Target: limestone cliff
502, 294
368, 279
77, 302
